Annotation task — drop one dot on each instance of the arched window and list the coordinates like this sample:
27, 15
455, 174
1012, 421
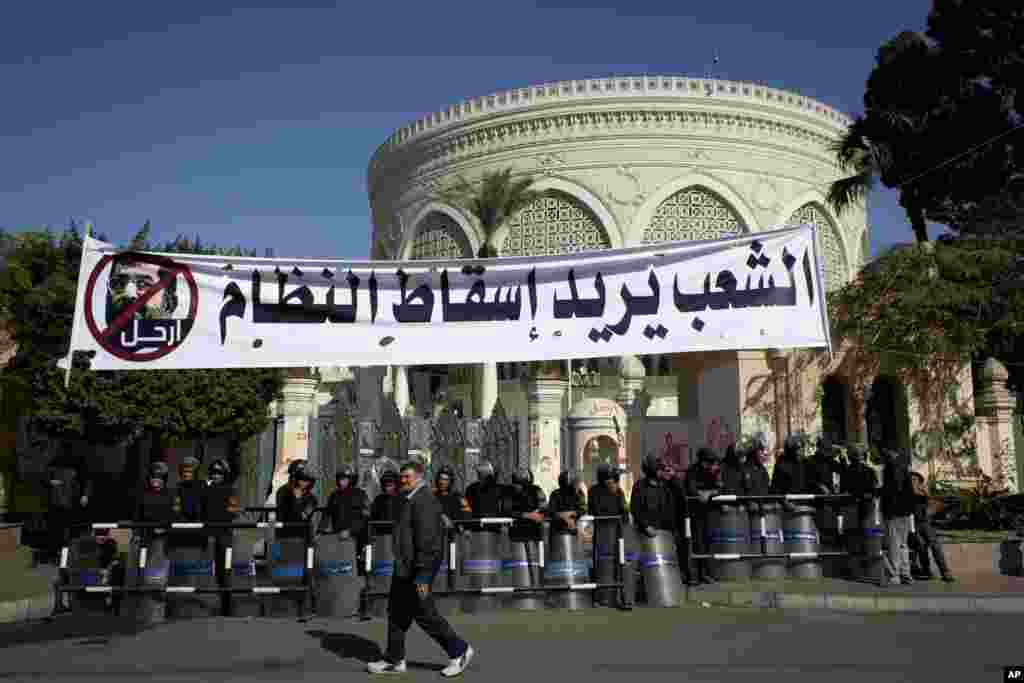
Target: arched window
556, 223
440, 237
691, 215
829, 246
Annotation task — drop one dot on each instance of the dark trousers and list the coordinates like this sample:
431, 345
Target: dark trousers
926, 540
406, 606
697, 569
59, 529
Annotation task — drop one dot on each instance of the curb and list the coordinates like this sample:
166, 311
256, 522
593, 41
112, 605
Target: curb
27, 609
964, 603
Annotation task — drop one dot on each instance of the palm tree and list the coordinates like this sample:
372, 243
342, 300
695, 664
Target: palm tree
866, 159
493, 201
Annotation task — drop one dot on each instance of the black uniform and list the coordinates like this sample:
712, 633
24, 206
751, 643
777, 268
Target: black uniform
188, 503
518, 500
484, 498
156, 506
601, 503
565, 499
790, 476
385, 507
701, 478
291, 508
347, 510
65, 480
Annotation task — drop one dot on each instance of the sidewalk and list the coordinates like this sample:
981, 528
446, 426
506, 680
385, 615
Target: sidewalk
971, 594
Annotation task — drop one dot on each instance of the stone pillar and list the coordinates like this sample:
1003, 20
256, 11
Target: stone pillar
778, 361
400, 374
296, 406
993, 406
544, 416
369, 382
487, 394
634, 400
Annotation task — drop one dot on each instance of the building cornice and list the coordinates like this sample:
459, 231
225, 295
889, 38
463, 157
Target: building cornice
673, 89
462, 143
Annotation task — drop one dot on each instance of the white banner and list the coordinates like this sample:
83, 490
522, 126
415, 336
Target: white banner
158, 311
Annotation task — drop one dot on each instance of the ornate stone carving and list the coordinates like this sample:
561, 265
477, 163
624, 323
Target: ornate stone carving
547, 162
439, 237
690, 215
554, 224
765, 195
626, 198
828, 243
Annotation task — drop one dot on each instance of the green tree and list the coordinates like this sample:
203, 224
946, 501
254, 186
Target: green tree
496, 198
942, 119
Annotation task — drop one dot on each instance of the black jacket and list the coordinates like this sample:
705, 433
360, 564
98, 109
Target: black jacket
517, 502
347, 510
418, 538
760, 483
858, 480
564, 500
654, 504
735, 478
451, 505
293, 509
699, 480
66, 496
897, 491
190, 500
790, 476
484, 499
602, 503
820, 473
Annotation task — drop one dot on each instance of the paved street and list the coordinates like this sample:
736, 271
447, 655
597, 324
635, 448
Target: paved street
691, 644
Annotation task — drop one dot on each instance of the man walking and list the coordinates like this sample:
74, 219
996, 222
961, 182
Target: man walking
418, 539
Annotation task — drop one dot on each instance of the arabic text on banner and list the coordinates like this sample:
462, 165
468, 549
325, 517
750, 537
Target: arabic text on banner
159, 311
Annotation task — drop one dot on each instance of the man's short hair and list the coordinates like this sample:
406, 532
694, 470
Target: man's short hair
917, 475
416, 467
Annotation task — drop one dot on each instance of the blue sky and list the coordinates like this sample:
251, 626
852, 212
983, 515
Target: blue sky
250, 124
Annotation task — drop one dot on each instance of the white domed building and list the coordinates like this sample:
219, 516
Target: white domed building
621, 162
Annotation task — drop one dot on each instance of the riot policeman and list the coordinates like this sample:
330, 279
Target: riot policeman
348, 507
295, 500
703, 481
385, 505
453, 506
607, 499
220, 504
566, 505
188, 503
523, 502
484, 495
790, 475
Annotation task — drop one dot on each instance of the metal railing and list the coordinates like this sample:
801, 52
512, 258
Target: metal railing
834, 498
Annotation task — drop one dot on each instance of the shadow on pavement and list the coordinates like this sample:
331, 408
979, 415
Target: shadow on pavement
93, 630
350, 646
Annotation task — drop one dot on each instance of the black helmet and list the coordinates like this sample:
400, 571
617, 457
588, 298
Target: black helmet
445, 471
220, 466
566, 480
389, 477
606, 472
295, 467
158, 470
705, 454
347, 472
189, 461
650, 466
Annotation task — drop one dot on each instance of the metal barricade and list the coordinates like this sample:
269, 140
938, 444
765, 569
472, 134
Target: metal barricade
728, 531
767, 542
82, 563
191, 563
802, 542
338, 588
482, 563
380, 567
566, 566
448, 580
800, 537
873, 541
146, 577
240, 577
659, 567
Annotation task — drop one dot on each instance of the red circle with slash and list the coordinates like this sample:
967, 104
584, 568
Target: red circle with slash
126, 315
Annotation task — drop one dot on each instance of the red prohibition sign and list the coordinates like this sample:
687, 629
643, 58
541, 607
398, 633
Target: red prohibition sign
127, 315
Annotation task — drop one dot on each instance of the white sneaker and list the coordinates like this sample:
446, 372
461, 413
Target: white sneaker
385, 667
459, 664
